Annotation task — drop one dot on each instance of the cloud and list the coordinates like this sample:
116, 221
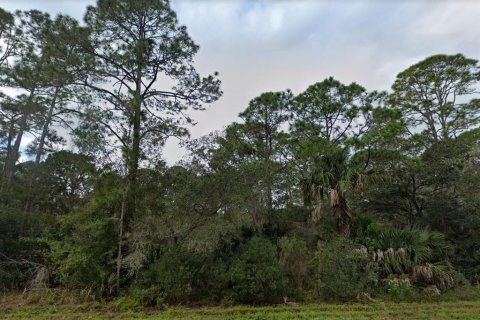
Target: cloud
266, 45
27, 139
74, 8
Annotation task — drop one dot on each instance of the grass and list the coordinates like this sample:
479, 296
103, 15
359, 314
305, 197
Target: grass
18, 307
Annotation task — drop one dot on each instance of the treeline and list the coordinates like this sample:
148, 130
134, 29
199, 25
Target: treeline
334, 193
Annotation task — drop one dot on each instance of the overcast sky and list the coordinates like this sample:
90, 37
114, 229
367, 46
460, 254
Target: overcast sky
268, 45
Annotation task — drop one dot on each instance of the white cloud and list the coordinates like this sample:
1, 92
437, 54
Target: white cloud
27, 139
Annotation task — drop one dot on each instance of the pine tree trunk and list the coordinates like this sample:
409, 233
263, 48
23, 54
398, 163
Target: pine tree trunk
12, 156
120, 240
46, 126
129, 198
41, 144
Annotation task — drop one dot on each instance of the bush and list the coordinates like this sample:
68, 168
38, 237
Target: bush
125, 304
22, 250
400, 289
460, 280
168, 279
340, 270
85, 256
256, 276
84, 245
294, 258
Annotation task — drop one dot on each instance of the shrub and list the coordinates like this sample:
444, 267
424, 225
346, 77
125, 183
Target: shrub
460, 280
440, 275
407, 247
85, 256
256, 276
294, 258
400, 289
169, 278
125, 304
340, 270
22, 250
84, 245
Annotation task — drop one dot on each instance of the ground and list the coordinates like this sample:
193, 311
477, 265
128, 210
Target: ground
439, 310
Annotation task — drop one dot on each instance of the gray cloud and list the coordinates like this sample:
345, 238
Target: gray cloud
266, 45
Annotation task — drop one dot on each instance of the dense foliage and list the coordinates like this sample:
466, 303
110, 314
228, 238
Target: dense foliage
334, 193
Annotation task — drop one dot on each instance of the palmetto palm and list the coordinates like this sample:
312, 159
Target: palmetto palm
332, 176
415, 251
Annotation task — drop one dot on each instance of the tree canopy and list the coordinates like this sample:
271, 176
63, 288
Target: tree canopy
333, 193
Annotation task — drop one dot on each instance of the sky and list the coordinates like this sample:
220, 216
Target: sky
273, 45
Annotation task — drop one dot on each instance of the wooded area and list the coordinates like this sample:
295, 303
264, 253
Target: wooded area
334, 193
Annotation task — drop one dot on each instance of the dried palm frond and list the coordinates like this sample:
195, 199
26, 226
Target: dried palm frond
439, 274
392, 261
422, 272
334, 197
41, 279
317, 212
